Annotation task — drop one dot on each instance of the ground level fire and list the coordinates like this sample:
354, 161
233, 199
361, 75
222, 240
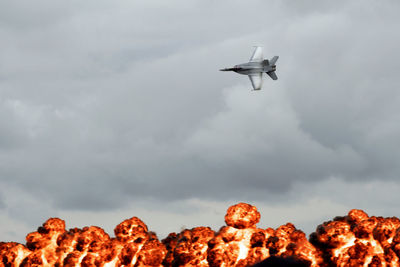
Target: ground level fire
352, 240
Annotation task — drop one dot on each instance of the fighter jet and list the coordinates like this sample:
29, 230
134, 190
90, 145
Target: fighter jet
255, 68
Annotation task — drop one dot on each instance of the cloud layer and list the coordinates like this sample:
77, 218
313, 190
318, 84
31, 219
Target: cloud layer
106, 106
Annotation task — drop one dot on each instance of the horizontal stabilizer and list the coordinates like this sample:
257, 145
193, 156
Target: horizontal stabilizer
272, 74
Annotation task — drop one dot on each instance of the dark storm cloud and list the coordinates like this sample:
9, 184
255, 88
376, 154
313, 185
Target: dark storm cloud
112, 102
353, 96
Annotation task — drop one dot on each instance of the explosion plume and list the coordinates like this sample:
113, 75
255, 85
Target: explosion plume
352, 240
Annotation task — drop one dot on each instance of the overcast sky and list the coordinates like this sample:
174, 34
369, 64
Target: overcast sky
114, 109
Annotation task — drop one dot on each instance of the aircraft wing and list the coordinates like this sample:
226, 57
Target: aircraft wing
256, 80
257, 54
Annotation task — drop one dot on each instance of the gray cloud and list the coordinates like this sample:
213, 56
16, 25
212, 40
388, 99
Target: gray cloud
106, 104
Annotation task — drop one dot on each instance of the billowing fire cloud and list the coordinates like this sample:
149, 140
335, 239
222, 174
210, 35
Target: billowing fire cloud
352, 240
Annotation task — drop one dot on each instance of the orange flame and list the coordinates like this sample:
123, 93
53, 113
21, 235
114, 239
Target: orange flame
359, 240
352, 240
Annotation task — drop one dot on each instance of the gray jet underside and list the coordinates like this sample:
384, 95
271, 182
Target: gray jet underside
256, 67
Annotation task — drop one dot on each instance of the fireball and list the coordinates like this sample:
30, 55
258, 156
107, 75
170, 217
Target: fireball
353, 240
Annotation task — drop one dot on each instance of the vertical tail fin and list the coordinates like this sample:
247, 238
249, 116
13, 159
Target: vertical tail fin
273, 60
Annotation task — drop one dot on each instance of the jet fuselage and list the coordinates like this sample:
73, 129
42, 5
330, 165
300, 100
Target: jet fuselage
255, 68
251, 68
